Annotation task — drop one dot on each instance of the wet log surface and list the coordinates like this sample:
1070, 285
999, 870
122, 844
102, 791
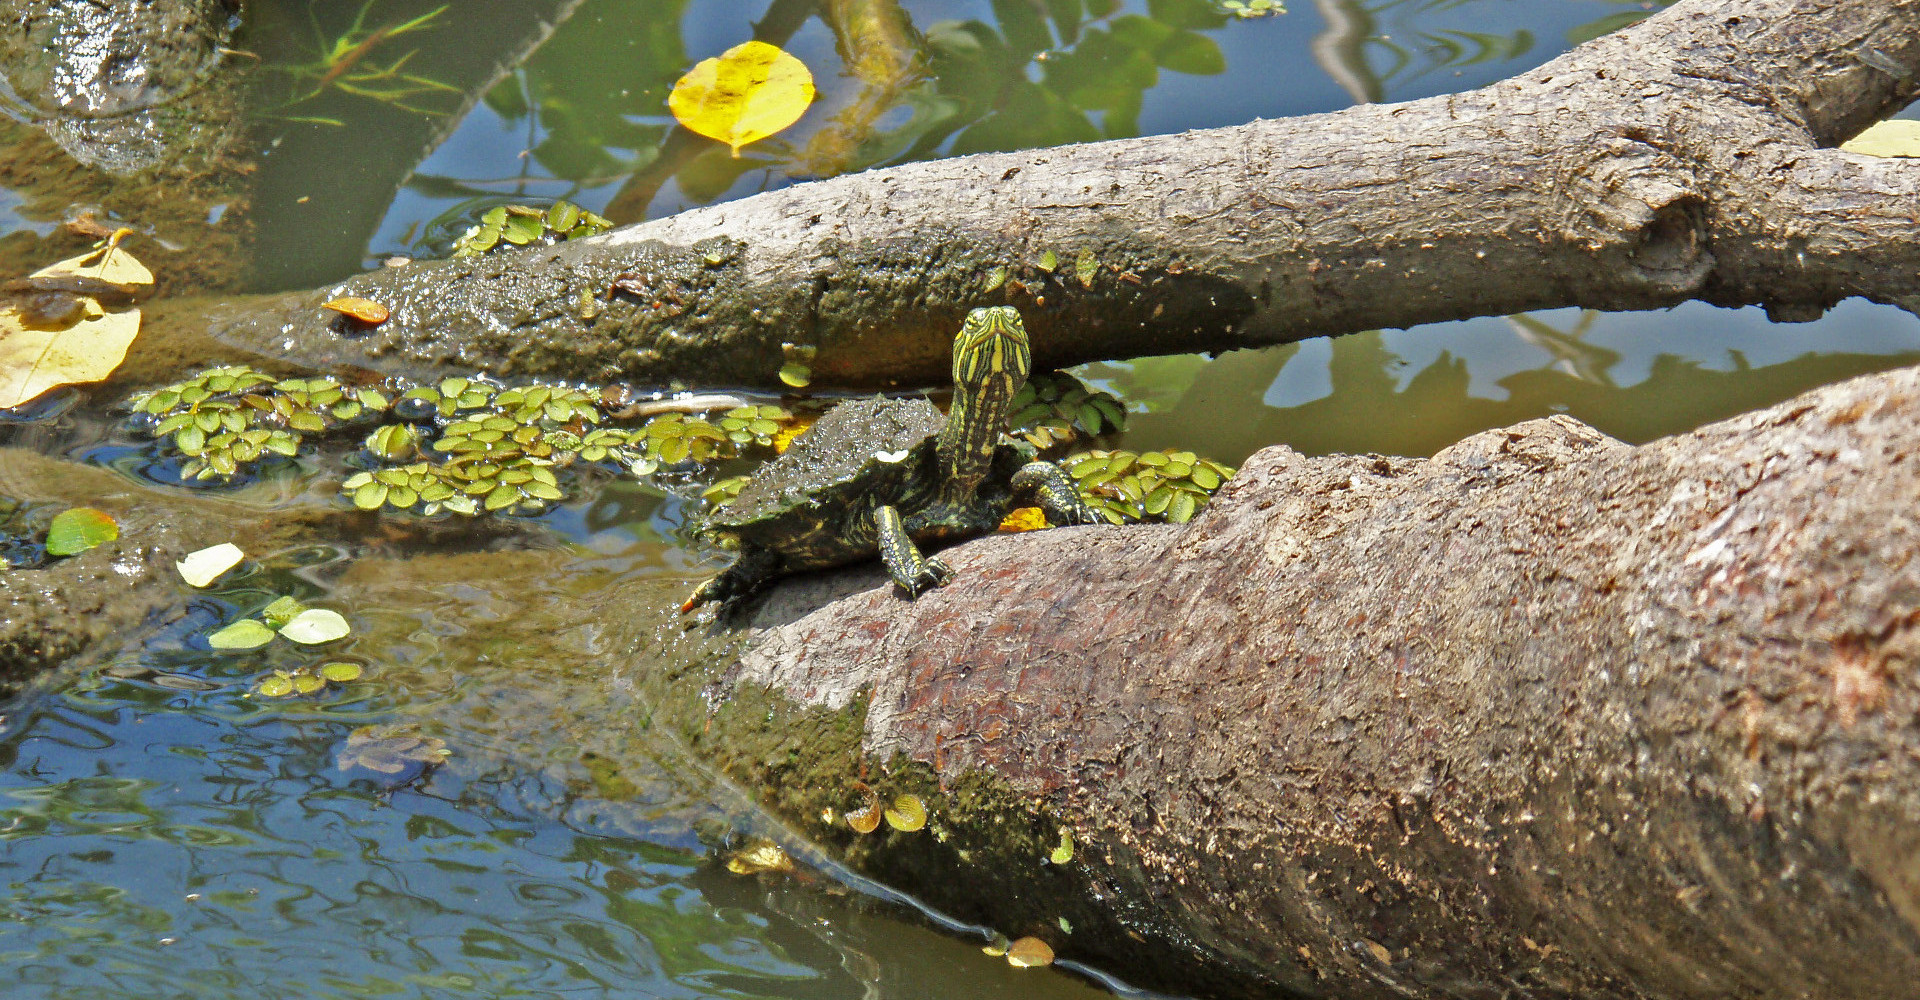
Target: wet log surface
1544, 716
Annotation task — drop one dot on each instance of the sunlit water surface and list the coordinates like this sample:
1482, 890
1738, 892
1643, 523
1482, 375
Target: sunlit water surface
163, 833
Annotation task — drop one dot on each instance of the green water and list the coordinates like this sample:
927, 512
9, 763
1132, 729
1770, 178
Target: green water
162, 833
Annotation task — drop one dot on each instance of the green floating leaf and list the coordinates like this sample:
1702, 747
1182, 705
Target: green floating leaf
796, 375
282, 611
315, 626
340, 671
243, 634
77, 530
275, 686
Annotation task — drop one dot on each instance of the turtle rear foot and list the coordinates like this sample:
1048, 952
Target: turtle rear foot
747, 574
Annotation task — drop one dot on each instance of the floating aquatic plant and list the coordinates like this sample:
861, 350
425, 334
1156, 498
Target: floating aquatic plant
1055, 408
521, 225
459, 445
1130, 486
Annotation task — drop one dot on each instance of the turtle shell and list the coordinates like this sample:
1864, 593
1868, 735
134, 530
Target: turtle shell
860, 449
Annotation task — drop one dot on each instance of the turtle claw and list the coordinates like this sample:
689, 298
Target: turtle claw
934, 574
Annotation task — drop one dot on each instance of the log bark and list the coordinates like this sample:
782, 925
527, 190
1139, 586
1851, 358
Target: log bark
1687, 157
1542, 716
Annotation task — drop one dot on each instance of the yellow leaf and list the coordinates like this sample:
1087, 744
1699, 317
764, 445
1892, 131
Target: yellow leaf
1024, 519
1889, 138
33, 361
784, 438
109, 264
748, 93
365, 310
907, 814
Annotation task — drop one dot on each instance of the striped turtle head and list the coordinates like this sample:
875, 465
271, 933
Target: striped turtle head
990, 364
991, 358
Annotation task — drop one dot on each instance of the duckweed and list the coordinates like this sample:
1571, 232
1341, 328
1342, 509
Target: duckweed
1127, 486
466, 446
521, 225
1056, 408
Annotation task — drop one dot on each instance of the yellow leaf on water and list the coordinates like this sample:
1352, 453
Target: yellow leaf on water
747, 93
109, 264
1898, 137
33, 361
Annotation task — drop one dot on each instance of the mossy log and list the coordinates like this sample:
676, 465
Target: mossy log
1687, 157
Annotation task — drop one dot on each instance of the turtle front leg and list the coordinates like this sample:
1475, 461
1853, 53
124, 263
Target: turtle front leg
747, 574
1046, 486
914, 572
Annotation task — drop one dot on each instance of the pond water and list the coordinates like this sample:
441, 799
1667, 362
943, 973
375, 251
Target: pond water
164, 832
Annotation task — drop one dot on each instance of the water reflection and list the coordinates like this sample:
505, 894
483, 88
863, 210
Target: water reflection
1636, 376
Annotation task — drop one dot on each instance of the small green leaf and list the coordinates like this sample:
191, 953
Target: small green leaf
370, 496
521, 230
340, 671
282, 610
190, 440
275, 686
243, 634
1182, 508
504, 495
316, 625
796, 375
1085, 267
562, 215
77, 530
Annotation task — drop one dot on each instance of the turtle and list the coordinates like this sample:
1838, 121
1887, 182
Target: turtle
884, 476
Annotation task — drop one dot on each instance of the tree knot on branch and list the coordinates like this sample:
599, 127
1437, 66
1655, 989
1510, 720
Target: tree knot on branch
1646, 218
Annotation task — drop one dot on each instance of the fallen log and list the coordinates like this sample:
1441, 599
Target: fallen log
1545, 715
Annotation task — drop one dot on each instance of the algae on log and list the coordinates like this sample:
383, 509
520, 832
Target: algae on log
1545, 715
1686, 157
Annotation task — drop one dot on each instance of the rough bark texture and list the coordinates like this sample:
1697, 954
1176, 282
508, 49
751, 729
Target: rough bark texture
1687, 157
1543, 716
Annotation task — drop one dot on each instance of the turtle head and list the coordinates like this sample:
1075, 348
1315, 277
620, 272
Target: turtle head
991, 351
991, 360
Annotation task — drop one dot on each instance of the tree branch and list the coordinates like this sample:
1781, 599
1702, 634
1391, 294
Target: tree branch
1643, 169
